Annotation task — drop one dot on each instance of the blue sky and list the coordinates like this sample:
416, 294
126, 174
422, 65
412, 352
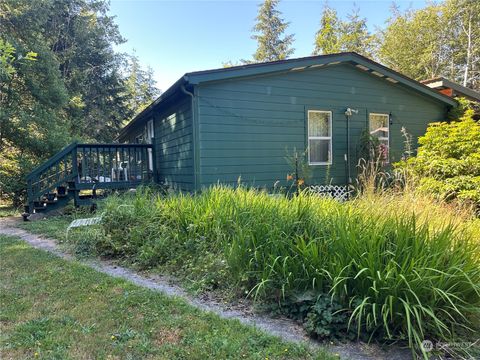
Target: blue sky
175, 37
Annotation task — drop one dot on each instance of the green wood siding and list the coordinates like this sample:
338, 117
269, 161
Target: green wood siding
246, 126
132, 134
174, 145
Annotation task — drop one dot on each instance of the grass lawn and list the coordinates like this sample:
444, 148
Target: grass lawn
54, 227
54, 309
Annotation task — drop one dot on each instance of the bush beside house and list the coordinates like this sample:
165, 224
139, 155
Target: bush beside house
448, 160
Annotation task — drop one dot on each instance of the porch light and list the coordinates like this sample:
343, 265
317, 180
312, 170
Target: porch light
350, 112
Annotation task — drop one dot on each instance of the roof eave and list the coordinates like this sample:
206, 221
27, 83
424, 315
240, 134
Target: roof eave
142, 114
264, 68
309, 62
406, 80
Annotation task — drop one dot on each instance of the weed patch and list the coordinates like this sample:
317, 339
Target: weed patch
382, 271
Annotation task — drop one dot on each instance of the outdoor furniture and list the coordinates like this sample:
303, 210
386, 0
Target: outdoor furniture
120, 173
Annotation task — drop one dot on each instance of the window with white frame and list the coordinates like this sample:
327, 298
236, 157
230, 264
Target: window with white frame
379, 128
319, 137
150, 131
150, 136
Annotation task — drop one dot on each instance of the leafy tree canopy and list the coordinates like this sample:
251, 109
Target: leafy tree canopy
60, 79
439, 40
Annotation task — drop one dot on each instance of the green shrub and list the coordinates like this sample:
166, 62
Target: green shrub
448, 160
396, 273
14, 167
322, 316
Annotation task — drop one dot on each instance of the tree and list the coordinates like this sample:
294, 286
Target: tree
327, 39
336, 35
462, 18
140, 85
438, 40
269, 30
83, 40
412, 43
60, 80
355, 35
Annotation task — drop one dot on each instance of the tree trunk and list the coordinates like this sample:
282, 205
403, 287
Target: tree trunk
469, 50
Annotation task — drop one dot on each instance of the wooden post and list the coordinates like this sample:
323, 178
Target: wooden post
75, 174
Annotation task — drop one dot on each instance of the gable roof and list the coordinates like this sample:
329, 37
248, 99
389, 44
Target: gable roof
297, 64
441, 83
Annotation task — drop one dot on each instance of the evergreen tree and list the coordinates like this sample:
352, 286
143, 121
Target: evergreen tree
269, 33
327, 39
60, 79
140, 85
336, 35
355, 35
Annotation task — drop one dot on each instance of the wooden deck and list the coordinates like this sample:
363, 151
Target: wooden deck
88, 167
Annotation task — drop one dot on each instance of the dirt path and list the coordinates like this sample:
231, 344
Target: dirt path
281, 327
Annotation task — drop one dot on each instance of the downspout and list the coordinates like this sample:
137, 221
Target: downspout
348, 178
348, 115
194, 137
348, 175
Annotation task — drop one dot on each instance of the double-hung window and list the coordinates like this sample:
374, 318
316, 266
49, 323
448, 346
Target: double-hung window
319, 137
379, 127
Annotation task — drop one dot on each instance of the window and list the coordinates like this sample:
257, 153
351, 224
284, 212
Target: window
150, 131
379, 127
150, 136
319, 137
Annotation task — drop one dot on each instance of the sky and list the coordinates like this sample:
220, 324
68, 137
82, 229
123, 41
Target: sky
175, 37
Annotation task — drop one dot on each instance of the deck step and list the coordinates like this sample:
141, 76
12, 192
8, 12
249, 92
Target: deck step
84, 202
61, 178
61, 191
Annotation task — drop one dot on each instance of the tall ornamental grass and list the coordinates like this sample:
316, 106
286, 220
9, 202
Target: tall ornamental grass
401, 269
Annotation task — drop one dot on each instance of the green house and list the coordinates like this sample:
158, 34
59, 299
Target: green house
242, 122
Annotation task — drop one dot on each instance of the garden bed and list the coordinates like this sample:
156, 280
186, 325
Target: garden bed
383, 268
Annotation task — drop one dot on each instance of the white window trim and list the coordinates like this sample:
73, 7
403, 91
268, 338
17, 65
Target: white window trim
150, 131
387, 138
330, 157
150, 137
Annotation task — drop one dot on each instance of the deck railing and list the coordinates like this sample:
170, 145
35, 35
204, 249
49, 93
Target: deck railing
88, 166
112, 163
